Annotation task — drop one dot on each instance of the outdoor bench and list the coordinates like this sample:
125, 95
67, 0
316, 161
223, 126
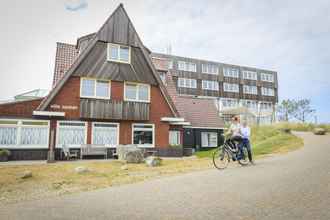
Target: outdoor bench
93, 150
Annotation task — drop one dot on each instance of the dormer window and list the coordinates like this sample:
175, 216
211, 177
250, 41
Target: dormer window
119, 53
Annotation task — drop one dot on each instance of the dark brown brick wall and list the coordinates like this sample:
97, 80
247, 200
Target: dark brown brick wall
19, 109
68, 96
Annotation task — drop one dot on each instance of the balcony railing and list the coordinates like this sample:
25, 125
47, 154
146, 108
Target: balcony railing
113, 109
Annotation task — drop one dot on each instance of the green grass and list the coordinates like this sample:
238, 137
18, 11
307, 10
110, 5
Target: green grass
266, 140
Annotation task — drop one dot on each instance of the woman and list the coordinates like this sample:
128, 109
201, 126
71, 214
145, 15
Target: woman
234, 131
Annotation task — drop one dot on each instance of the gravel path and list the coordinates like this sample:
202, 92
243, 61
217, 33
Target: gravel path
291, 186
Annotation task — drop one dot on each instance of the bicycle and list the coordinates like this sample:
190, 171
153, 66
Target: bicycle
227, 152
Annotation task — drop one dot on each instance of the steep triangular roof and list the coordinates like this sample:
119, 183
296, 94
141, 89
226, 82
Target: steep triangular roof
112, 31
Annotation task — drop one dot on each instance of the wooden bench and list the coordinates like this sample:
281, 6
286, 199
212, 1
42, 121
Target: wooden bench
93, 150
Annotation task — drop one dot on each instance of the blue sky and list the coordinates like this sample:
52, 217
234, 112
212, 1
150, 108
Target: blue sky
291, 37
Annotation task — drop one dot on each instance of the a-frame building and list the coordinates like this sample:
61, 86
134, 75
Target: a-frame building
111, 95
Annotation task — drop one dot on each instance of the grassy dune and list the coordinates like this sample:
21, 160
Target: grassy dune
267, 140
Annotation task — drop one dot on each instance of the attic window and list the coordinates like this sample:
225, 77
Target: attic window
119, 53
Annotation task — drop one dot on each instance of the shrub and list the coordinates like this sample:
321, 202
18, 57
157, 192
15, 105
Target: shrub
176, 146
4, 152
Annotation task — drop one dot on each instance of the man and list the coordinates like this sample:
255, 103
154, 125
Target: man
234, 131
246, 133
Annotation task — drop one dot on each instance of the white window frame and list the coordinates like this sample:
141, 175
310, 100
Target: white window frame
229, 100
137, 92
108, 123
186, 84
210, 85
208, 132
179, 136
145, 129
244, 102
95, 83
118, 48
71, 145
267, 77
208, 67
229, 72
170, 64
248, 74
267, 91
247, 89
189, 64
228, 87
19, 127
269, 106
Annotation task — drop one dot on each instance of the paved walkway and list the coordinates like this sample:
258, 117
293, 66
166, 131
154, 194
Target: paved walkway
291, 186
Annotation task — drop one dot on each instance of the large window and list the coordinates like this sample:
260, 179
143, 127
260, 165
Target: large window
187, 83
174, 138
119, 53
230, 87
250, 75
137, 92
209, 68
267, 77
250, 104
71, 133
143, 135
266, 106
229, 103
210, 85
250, 90
105, 134
187, 66
231, 72
94, 88
24, 133
170, 64
209, 139
267, 91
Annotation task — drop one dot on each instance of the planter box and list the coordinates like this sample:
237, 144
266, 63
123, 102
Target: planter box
170, 152
188, 151
3, 158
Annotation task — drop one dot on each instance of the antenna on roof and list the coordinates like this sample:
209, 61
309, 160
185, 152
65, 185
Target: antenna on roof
169, 49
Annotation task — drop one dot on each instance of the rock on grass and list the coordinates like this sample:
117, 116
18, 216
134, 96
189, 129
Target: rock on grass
26, 174
81, 170
153, 161
319, 131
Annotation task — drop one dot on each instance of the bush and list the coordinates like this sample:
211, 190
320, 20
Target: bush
4, 153
177, 146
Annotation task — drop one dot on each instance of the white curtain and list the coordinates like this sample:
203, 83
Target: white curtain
34, 135
105, 136
8, 135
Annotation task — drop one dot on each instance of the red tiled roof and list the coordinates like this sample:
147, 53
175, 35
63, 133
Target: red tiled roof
200, 112
65, 56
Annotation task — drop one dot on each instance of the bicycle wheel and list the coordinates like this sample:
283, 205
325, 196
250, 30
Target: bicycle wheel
244, 161
220, 158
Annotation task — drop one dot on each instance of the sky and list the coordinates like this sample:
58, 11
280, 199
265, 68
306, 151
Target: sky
291, 37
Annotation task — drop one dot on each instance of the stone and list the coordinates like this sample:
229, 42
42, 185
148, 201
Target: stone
81, 170
134, 156
124, 167
319, 131
153, 161
26, 174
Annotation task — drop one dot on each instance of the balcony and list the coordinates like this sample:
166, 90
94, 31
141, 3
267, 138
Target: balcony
113, 109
